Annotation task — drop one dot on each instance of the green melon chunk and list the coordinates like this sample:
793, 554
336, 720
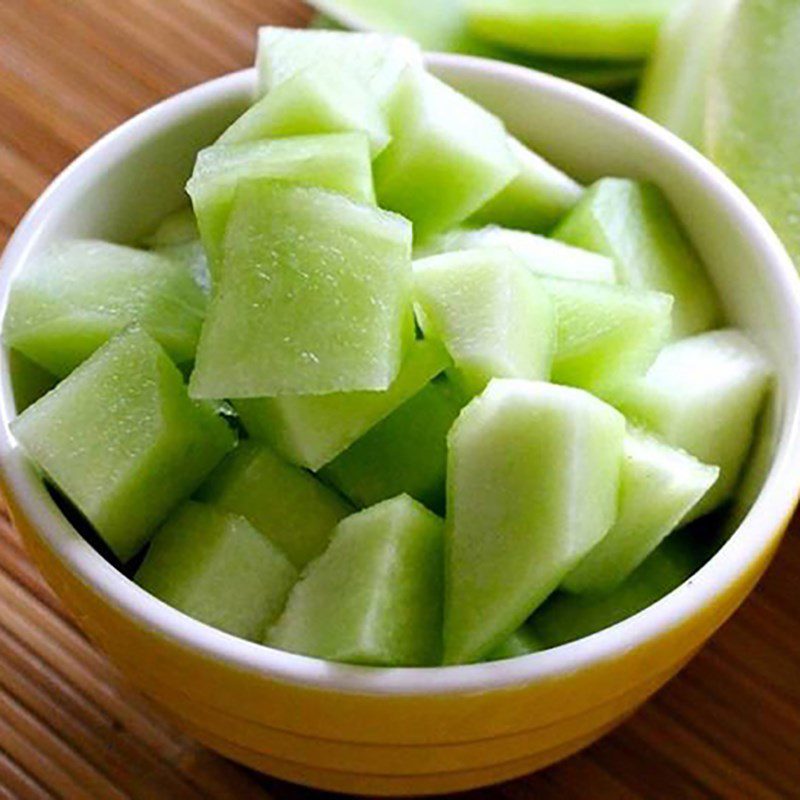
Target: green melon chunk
675, 85
218, 569
494, 317
311, 431
752, 126
285, 503
447, 158
191, 254
316, 100
533, 476
659, 486
337, 162
123, 441
606, 334
79, 293
608, 29
522, 642
404, 454
29, 381
541, 255
568, 617
375, 595
375, 60
632, 223
179, 227
314, 297
536, 199
703, 395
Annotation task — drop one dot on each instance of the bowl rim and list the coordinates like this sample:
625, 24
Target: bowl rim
752, 540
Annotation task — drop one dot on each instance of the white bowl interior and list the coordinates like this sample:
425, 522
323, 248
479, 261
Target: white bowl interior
121, 187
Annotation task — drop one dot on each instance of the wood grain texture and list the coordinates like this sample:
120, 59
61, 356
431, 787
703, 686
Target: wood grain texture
70, 70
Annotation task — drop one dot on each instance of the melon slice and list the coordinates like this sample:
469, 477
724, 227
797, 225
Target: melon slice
703, 395
313, 298
315, 100
29, 381
375, 60
606, 334
541, 255
218, 569
123, 441
608, 29
375, 595
404, 454
533, 476
337, 162
675, 85
659, 486
179, 227
567, 617
492, 315
632, 223
522, 642
447, 158
285, 503
536, 199
79, 293
311, 431
191, 255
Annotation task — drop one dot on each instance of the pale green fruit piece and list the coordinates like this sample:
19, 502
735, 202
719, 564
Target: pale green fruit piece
632, 223
659, 486
522, 642
568, 617
123, 441
605, 334
703, 395
285, 503
315, 100
28, 380
218, 569
752, 126
375, 595
541, 255
375, 60
404, 454
191, 254
311, 431
179, 227
495, 318
675, 85
533, 477
80, 293
439, 134
607, 29
536, 199
314, 297
337, 162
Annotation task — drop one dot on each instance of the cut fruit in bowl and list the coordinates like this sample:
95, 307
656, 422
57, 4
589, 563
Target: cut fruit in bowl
370, 729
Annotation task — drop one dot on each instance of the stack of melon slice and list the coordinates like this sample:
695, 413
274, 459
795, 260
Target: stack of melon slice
464, 387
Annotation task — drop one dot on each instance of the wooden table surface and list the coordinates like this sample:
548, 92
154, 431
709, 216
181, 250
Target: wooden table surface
70, 727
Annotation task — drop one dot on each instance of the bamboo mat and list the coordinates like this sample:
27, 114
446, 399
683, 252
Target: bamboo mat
70, 727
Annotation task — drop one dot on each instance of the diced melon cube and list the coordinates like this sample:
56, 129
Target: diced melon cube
29, 381
606, 334
703, 395
285, 503
219, 569
316, 100
541, 255
632, 223
448, 155
313, 297
533, 477
522, 642
609, 29
313, 430
123, 441
404, 454
337, 162
179, 227
567, 617
375, 595
192, 255
659, 485
494, 317
375, 60
79, 293
536, 199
